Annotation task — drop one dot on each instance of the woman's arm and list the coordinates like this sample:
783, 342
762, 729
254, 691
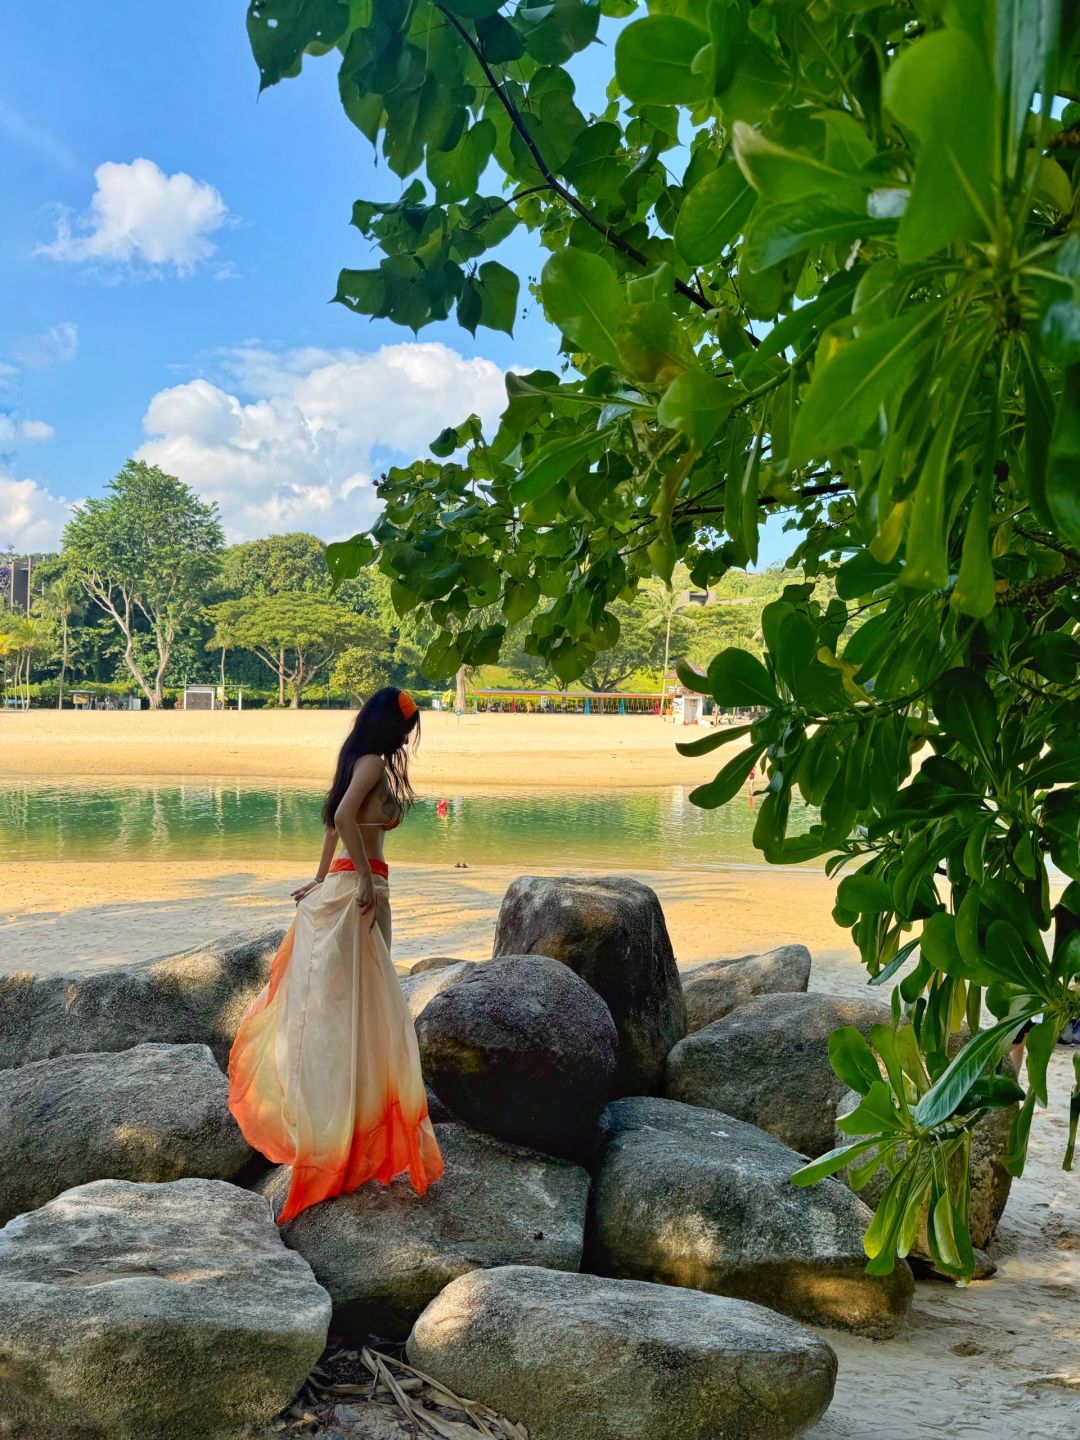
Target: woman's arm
330, 840
367, 774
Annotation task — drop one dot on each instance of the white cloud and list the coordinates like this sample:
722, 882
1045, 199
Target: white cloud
299, 450
51, 347
31, 517
139, 216
16, 431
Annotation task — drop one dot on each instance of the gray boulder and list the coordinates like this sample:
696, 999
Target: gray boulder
523, 1048
155, 1112
611, 931
714, 990
152, 1312
432, 962
383, 1253
691, 1197
197, 997
578, 1357
419, 988
768, 1063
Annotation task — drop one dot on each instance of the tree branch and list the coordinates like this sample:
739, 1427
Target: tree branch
565, 194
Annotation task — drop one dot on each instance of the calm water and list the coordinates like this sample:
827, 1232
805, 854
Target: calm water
624, 829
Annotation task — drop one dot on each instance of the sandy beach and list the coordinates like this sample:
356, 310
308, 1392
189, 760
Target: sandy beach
562, 751
996, 1360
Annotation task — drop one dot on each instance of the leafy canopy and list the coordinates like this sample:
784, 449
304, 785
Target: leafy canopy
819, 261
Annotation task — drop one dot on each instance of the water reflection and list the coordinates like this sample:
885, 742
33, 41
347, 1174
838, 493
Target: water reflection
207, 820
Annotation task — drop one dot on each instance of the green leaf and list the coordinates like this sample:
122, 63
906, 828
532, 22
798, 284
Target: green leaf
852, 1059
281, 30
786, 176
777, 231
737, 678
498, 296
708, 743
729, 781
346, 558
697, 405
850, 386
1074, 1116
654, 60
653, 344
875, 1114
861, 575
952, 193
865, 894
831, 1162
985, 1048
551, 463
586, 301
1025, 32
519, 599
712, 215
965, 706
1063, 467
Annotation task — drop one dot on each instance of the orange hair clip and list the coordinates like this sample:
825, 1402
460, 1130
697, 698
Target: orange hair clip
407, 705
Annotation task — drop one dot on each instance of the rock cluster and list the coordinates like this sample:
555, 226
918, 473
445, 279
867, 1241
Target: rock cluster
615, 1249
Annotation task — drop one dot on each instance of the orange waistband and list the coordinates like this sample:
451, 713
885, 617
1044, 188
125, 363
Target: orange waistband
377, 867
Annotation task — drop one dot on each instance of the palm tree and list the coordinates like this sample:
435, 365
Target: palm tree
62, 602
663, 603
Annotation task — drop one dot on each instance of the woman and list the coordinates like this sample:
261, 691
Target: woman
324, 1073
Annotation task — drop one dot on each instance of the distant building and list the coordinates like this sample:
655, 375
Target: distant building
16, 576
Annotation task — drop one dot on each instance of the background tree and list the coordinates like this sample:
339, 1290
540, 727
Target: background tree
62, 604
911, 403
366, 665
663, 604
276, 565
147, 548
295, 635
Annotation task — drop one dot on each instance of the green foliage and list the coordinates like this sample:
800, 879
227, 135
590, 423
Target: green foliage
873, 183
147, 549
295, 634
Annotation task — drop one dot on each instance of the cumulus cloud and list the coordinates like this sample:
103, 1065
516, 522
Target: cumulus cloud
141, 217
15, 431
295, 439
31, 518
52, 347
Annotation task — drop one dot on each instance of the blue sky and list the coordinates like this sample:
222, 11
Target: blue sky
168, 245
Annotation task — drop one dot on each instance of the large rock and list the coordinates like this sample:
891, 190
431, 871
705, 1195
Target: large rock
768, 1063
577, 1357
152, 1312
421, 987
691, 1197
432, 962
383, 1253
155, 1112
611, 931
714, 990
523, 1048
199, 996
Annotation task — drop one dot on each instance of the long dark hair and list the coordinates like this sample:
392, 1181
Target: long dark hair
381, 728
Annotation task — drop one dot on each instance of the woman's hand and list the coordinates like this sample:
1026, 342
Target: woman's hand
303, 890
365, 895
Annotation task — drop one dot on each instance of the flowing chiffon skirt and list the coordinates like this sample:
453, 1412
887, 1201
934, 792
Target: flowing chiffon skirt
324, 1074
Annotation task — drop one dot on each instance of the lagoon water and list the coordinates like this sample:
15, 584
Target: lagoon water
218, 820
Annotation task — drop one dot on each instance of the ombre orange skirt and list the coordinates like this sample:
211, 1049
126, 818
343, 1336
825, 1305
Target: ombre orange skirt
324, 1074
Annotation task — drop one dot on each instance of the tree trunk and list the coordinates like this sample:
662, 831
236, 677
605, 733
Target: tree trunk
281, 677
459, 688
140, 678
667, 653
223, 674
63, 664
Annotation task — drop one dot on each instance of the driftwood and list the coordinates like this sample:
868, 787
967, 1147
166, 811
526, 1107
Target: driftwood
346, 1383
